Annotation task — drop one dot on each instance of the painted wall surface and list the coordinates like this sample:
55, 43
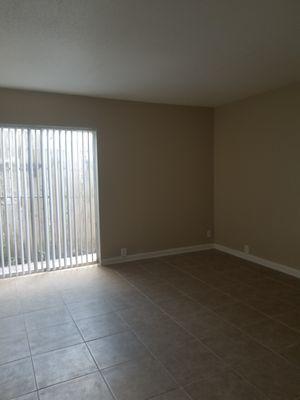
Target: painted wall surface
155, 165
257, 175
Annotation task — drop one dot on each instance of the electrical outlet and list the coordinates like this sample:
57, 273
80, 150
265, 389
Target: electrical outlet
124, 252
208, 233
246, 248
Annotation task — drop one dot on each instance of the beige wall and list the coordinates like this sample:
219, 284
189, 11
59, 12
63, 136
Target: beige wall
156, 165
156, 169
257, 175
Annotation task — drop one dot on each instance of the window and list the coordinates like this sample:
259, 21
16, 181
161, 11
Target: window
48, 199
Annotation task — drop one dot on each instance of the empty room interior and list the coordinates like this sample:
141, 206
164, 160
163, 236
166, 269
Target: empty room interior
150, 200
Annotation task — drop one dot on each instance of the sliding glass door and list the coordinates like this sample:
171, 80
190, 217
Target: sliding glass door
48, 199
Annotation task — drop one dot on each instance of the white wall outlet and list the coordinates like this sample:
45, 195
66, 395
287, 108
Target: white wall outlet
246, 248
208, 233
124, 252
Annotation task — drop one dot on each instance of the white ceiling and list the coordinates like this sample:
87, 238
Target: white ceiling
198, 52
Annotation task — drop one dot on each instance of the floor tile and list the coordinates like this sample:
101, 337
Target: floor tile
166, 335
213, 299
100, 326
114, 349
180, 305
39, 302
30, 396
61, 365
190, 285
46, 318
13, 347
89, 387
233, 349
127, 299
53, 338
225, 386
191, 362
205, 323
275, 377
246, 275
240, 314
239, 291
10, 307
85, 295
161, 292
290, 318
269, 306
8, 289
36, 283
292, 353
214, 279
16, 379
89, 309
138, 379
266, 285
177, 394
147, 315
281, 277
162, 270
12, 325
292, 297
273, 334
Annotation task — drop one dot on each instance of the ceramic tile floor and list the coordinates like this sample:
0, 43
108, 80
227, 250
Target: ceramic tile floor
202, 326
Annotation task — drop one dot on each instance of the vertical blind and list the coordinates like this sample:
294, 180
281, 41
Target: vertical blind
48, 199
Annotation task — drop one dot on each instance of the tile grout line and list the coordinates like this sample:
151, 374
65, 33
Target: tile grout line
68, 380
198, 340
124, 362
34, 374
157, 360
251, 324
104, 380
236, 326
29, 348
187, 273
170, 391
68, 346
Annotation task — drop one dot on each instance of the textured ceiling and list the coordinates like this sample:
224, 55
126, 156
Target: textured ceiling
199, 52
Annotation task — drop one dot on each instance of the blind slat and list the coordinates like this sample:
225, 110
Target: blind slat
49, 204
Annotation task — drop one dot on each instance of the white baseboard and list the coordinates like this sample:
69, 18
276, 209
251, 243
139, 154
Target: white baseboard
190, 249
155, 254
262, 261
